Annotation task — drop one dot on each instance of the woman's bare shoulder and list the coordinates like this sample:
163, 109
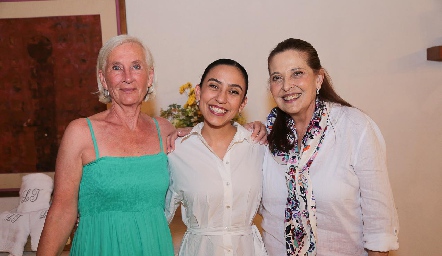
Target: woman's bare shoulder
77, 125
165, 125
98, 116
75, 131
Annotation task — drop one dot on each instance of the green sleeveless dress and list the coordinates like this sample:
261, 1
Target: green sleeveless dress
121, 205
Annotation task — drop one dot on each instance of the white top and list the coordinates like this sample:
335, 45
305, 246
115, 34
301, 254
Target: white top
219, 197
354, 202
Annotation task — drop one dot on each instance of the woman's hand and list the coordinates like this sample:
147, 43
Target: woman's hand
259, 132
170, 140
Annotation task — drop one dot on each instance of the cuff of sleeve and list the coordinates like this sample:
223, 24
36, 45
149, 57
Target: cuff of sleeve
381, 242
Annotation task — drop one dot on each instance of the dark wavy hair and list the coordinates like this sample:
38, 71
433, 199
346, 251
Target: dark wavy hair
227, 62
277, 138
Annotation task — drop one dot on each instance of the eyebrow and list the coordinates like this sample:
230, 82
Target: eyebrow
118, 62
293, 69
231, 85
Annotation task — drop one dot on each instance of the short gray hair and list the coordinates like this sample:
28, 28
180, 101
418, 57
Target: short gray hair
103, 55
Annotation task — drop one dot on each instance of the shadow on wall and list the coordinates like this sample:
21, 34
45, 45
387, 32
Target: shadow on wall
268, 104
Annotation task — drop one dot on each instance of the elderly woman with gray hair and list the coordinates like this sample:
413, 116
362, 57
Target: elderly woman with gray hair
111, 168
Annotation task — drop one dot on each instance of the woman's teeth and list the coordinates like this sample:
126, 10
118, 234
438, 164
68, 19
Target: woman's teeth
292, 96
217, 110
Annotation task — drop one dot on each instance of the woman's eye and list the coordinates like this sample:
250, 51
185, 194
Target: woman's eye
234, 92
297, 73
214, 86
116, 67
276, 78
137, 66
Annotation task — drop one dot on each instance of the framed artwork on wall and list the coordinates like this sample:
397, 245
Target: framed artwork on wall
47, 75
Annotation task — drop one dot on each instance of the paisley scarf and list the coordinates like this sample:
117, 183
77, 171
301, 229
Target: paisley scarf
300, 211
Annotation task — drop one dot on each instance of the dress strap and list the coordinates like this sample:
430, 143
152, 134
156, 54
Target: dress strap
97, 154
159, 134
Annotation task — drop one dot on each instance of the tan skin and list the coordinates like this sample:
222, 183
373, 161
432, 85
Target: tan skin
122, 130
293, 85
221, 97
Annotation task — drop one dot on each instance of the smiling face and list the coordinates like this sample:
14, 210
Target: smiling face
293, 83
127, 75
221, 95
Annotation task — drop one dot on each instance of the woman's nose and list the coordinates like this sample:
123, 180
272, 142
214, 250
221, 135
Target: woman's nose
128, 76
221, 97
288, 84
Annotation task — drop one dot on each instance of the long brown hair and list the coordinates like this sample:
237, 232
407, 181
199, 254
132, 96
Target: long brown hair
278, 136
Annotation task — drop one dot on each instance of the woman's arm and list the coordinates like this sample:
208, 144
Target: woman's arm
379, 214
173, 197
171, 203
168, 134
62, 213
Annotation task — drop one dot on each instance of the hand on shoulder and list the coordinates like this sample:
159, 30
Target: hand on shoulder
259, 132
168, 132
166, 127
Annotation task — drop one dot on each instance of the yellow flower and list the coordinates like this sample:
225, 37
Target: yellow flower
184, 87
191, 91
190, 101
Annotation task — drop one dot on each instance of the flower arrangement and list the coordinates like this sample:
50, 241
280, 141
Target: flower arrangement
189, 114
184, 116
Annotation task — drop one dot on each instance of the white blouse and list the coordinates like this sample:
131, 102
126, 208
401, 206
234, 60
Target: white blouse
219, 197
354, 201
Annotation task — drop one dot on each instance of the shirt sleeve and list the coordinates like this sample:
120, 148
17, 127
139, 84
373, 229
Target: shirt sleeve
379, 216
173, 200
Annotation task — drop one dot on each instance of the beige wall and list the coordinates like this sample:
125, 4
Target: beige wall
375, 52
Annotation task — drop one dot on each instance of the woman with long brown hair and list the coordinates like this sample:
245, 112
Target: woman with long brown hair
325, 189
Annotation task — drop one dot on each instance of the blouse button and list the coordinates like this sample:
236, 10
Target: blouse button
228, 206
227, 183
